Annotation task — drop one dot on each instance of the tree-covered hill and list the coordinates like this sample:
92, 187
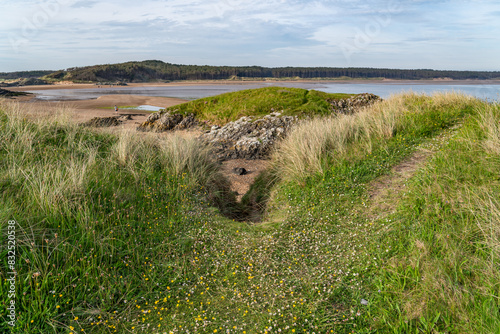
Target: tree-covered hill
155, 70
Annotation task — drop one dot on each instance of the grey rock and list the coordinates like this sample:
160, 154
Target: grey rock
167, 120
353, 103
249, 138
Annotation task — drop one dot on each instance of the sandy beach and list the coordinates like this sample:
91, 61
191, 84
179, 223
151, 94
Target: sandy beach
84, 110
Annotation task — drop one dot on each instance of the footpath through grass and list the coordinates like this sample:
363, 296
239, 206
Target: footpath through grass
117, 234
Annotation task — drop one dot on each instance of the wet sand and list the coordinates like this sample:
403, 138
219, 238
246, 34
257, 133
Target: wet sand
84, 110
442, 81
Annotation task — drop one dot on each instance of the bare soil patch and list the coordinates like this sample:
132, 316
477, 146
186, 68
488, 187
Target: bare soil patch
241, 183
384, 191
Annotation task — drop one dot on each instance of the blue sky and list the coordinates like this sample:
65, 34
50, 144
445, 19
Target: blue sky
57, 34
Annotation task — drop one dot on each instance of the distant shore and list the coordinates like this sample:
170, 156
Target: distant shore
245, 82
83, 110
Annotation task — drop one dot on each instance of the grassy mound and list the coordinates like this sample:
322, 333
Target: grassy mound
117, 234
258, 102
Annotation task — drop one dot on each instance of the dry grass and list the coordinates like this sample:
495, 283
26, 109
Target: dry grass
304, 150
489, 120
55, 183
187, 155
307, 147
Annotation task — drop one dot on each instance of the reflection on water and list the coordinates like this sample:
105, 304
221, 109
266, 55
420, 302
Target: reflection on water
489, 92
145, 107
181, 92
384, 90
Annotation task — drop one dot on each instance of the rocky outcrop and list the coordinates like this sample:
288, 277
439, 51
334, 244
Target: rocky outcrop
354, 103
248, 138
240, 171
102, 122
167, 120
8, 93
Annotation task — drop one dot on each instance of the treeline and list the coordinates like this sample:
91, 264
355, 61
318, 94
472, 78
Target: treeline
420, 74
154, 70
23, 74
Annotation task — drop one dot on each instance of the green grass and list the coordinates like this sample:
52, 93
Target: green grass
442, 272
258, 102
118, 234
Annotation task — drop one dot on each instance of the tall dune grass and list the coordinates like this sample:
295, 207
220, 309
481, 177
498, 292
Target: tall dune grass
487, 210
444, 275
485, 203
489, 120
76, 191
51, 182
313, 142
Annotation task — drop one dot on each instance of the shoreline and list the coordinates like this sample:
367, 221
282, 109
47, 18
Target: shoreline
102, 106
245, 82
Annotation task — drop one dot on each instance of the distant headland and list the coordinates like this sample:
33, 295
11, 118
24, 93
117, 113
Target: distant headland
159, 71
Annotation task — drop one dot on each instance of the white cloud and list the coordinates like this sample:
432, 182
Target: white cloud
270, 33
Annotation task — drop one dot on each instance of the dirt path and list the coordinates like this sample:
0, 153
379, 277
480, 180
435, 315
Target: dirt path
385, 192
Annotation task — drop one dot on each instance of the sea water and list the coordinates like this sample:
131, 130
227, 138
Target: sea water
489, 92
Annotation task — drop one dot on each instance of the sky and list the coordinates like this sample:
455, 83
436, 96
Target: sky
408, 34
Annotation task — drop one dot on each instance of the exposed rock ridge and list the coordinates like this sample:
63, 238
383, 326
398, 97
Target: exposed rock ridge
167, 120
353, 103
248, 138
